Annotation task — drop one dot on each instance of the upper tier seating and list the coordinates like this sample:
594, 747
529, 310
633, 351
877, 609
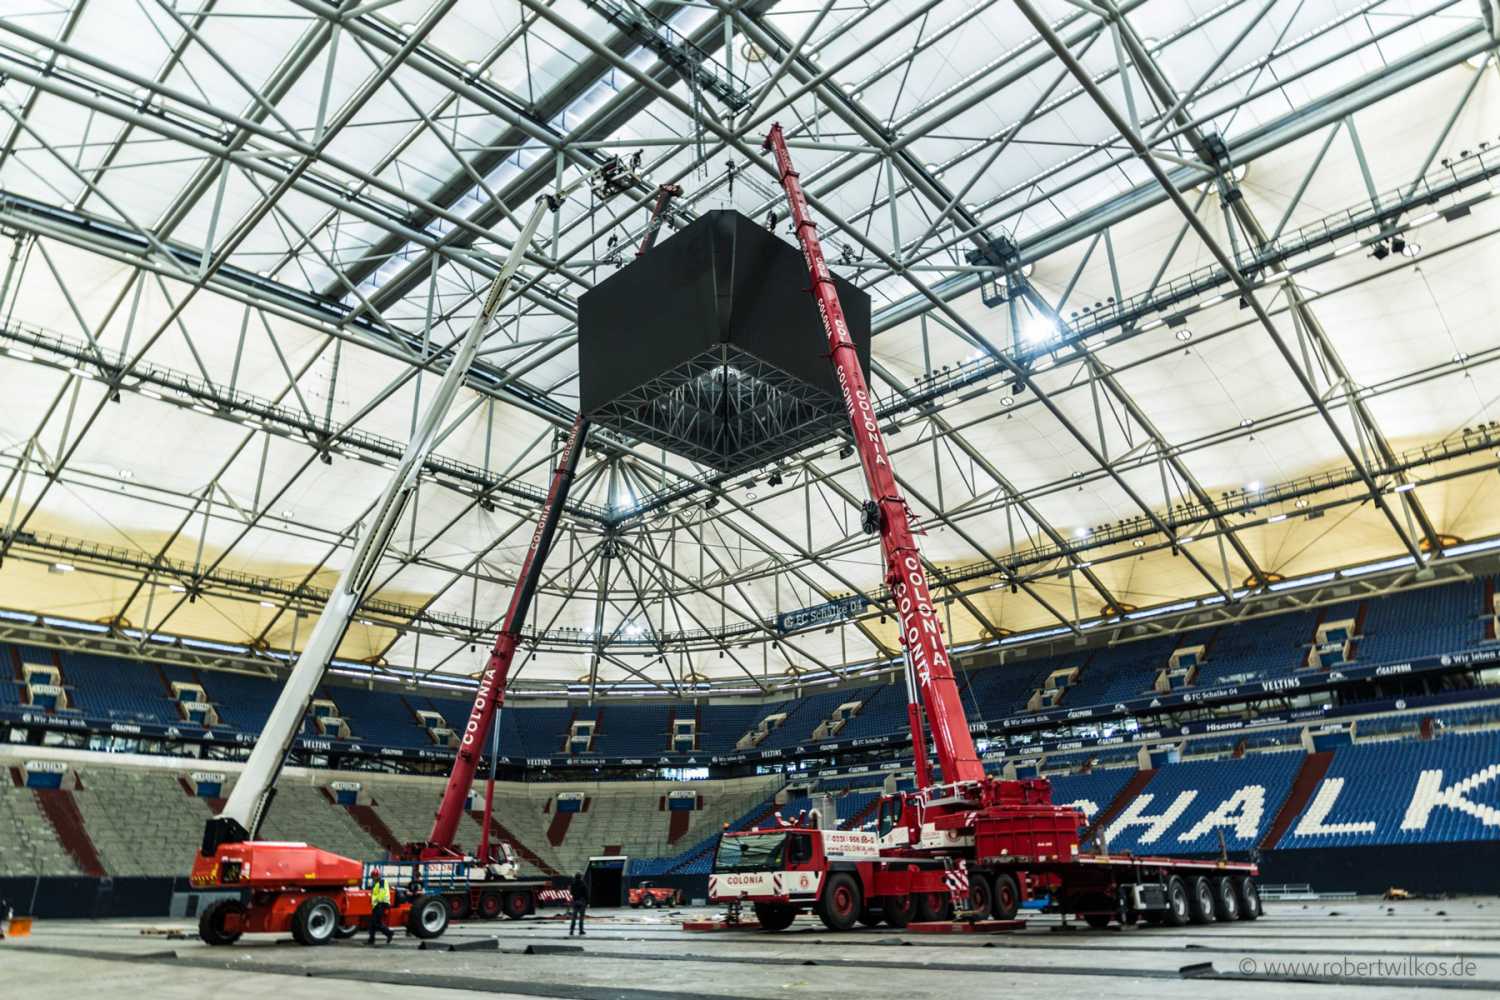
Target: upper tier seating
1266, 647
1427, 621
377, 715
632, 730
1423, 622
116, 690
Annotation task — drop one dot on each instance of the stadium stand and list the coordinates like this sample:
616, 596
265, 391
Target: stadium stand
633, 730
1403, 793
306, 812
1423, 622
1271, 647
380, 716
140, 822
115, 690
1185, 807
1388, 790
1090, 792
1124, 671
29, 844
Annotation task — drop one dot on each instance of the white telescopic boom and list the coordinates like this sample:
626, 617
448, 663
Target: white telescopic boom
252, 793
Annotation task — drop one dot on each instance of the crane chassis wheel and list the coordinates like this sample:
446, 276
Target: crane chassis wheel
841, 902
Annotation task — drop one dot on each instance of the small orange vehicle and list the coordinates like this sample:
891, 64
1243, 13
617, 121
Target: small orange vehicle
650, 895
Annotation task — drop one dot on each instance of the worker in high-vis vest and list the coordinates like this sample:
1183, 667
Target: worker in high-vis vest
380, 903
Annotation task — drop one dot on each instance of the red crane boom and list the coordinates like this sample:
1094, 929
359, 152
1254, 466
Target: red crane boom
921, 633
491, 693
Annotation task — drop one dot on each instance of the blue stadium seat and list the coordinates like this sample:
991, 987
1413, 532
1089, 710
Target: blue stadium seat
116, 690
1404, 792
1185, 807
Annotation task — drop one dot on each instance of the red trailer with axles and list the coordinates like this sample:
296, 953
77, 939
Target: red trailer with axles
968, 842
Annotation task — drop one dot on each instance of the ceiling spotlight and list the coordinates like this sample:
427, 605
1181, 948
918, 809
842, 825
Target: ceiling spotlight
1081, 533
1460, 358
710, 503
268, 604
125, 474
845, 451
1039, 329
60, 567
1184, 335
1300, 503
1138, 544
1246, 422
1007, 400
1253, 487
1380, 251
1407, 249
774, 479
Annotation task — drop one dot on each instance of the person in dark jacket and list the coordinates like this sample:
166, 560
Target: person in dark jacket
579, 890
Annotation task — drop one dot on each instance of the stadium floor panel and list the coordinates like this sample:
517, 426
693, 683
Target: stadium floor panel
1356, 948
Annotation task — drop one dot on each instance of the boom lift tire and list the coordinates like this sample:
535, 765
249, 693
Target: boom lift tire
1201, 900
899, 910
516, 905
773, 917
211, 922
871, 916
1178, 911
490, 904
459, 906
315, 921
1007, 897
428, 918
1249, 894
1226, 899
933, 906
841, 902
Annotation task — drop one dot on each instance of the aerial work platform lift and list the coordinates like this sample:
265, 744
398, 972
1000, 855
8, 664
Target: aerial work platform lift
319, 895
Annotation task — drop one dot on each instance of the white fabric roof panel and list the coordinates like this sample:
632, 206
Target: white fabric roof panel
1413, 332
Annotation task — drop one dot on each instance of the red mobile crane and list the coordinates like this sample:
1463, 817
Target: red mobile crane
971, 843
